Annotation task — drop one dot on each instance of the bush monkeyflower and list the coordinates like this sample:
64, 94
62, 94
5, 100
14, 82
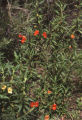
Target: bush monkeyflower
22, 41
53, 107
46, 117
9, 90
23, 38
34, 104
20, 36
49, 92
44, 35
72, 36
36, 32
4, 87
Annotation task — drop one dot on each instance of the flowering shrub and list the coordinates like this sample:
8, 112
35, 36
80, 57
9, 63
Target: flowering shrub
38, 80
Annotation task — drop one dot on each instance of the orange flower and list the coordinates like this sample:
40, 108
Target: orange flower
53, 107
36, 32
70, 47
72, 36
44, 35
22, 41
32, 104
20, 35
23, 38
46, 117
36, 104
49, 92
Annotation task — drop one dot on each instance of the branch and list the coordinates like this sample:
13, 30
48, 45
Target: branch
19, 8
22, 9
9, 10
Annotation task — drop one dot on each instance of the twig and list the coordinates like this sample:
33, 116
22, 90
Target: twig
23, 9
9, 10
19, 8
9, 7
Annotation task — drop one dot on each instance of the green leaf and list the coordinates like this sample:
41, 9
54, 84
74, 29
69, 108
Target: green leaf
16, 56
3, 97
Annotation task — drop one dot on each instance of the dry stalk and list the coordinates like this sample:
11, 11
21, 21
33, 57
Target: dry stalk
9, 7
9, 10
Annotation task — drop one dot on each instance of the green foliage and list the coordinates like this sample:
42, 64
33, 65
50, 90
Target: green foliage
74, 114
79, 102
40, 64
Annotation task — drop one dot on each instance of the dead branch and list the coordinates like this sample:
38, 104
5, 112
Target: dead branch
19, 8
9, 10
22, 9
10, 7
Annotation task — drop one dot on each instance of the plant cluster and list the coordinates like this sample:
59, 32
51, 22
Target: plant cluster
37, 82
